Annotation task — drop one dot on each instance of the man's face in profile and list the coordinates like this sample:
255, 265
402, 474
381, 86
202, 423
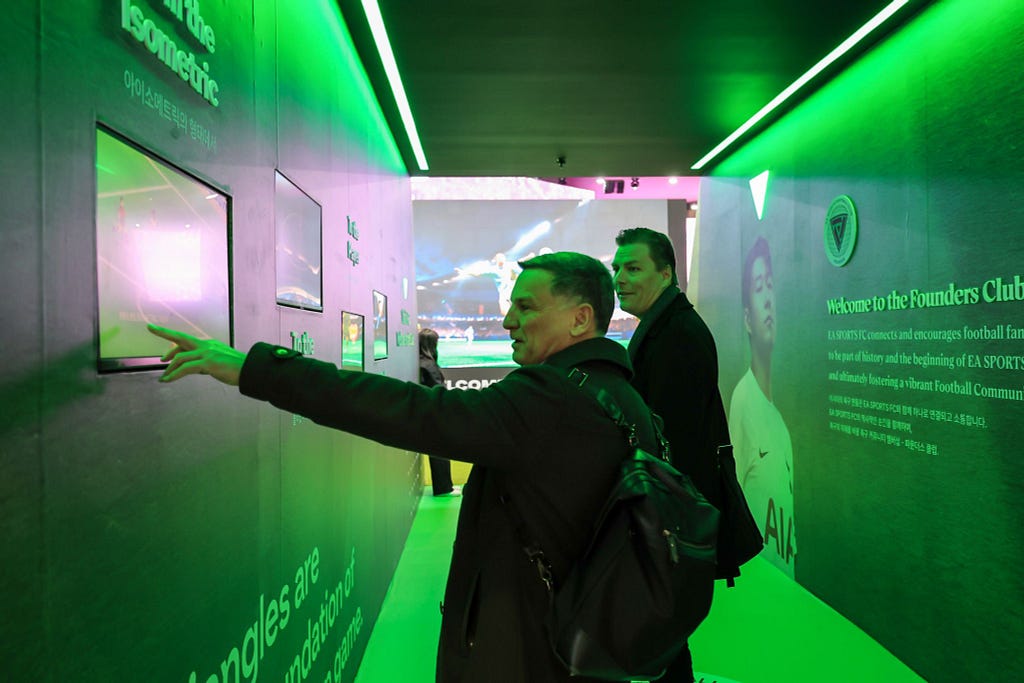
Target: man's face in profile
638, 282
538, 321
760, 315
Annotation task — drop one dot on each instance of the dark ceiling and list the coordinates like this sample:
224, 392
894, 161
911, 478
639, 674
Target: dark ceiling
642, 88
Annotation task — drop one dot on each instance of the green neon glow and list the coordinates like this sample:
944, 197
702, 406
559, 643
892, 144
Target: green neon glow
758, 190
387, 57
839, 51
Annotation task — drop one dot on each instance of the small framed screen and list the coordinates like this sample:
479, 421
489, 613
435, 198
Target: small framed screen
380, 325
351, 341
161, 254
298, 247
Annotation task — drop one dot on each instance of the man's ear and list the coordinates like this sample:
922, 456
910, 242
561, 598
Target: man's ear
746, 319
582, 320
666, 276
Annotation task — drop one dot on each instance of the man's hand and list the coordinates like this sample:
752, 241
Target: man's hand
192, 356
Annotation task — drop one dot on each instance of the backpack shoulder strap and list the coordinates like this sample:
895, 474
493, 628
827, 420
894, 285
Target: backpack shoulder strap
607, 403
612, 409
532, 549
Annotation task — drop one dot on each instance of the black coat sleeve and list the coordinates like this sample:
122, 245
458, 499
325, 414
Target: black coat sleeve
485, 426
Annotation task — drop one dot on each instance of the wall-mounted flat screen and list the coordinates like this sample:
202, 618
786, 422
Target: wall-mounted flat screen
465, 275
298, 247
351, 341
161, 254
380, 326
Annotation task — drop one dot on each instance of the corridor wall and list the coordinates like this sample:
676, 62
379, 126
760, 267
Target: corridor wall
881, 437
182, 532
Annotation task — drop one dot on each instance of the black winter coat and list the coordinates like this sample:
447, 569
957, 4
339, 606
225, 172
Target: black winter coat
430, 372
675, 369
535, 435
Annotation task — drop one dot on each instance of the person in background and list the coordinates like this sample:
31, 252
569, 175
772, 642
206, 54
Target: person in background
431, 376
537, 440
764, 452
675, 367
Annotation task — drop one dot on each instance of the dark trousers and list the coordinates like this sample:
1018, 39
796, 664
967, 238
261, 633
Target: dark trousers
441, 475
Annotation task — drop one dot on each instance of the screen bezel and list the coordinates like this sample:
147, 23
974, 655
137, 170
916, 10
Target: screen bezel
379, 297
347, 316
315, 308
115, 364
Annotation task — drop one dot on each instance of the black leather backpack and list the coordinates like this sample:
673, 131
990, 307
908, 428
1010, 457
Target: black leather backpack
628, 604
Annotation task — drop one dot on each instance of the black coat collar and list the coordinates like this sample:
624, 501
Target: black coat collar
660, 312
589, 350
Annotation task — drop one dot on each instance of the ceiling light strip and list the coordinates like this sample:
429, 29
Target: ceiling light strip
844, 47
387, 58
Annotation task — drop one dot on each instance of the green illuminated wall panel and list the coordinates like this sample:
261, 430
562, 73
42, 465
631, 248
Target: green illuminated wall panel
157, 532
21, 481
905, 419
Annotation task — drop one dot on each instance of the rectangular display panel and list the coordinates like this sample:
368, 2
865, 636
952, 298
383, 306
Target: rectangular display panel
161, 254
351, 341
298, 247
465, 274
380, 326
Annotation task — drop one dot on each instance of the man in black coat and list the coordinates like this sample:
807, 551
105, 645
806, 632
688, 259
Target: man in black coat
675, 366
534, 436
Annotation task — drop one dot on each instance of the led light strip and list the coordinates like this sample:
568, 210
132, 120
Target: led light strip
387, 57
844, 47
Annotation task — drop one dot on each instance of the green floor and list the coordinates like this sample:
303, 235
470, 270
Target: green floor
764, 630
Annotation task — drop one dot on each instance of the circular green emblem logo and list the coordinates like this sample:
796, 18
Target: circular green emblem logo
840, 230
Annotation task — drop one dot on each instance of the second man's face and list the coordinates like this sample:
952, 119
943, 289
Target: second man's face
638, 282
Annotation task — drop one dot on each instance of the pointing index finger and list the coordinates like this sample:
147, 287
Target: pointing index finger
183, 340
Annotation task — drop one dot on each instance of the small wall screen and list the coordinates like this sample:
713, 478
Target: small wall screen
351, 341
161, 253
380, 325
299, 277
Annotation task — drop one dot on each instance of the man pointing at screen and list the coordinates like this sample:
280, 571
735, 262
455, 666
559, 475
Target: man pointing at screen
535, 435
